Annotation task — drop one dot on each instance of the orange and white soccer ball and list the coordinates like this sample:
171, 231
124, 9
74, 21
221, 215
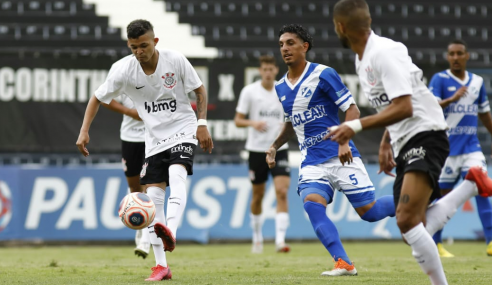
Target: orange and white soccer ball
137, 210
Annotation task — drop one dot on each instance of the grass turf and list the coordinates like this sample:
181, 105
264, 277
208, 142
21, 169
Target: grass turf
376, 262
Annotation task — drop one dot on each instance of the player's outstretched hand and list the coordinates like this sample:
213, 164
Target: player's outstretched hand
204, 138
345, 154
341, 134
386, 161
260, 126
270, 157
134, 114
82, 141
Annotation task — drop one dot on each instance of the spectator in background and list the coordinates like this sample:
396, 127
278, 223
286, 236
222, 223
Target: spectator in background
462, 96
260, 103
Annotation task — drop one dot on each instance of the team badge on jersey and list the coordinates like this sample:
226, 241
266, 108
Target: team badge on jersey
371, 78
306, 92
144, 170
169, 80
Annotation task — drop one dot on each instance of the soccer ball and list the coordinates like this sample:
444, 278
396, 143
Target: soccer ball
137, 211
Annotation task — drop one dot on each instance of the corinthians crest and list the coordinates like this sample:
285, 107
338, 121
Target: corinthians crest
371, 78
169, 80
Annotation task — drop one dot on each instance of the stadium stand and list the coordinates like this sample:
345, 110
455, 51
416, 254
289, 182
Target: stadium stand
249, 28
217, 34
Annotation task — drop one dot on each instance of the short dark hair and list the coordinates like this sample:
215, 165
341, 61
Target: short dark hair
138, 28
300, 31
267, 59
459, 42
346, 7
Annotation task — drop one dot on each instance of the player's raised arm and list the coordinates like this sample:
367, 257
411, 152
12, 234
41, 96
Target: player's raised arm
285, 135
202, 133
90, 113
119, 108
399, 109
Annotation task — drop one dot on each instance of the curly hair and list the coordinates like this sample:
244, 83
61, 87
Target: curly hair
300, 31
138, 28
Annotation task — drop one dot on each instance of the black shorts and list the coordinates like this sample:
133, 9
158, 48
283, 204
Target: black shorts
133, 155
156, 167
258, 168
426, 152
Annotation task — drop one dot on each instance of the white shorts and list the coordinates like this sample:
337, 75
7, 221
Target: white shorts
458, 165
351, 179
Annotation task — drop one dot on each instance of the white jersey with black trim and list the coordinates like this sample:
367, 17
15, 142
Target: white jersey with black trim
131, 130
160, 98
386, 72
261, 105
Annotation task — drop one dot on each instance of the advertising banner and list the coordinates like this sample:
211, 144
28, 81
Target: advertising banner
54, 204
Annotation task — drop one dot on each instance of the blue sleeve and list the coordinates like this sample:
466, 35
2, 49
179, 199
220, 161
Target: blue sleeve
337, 92
483, 101
435, 86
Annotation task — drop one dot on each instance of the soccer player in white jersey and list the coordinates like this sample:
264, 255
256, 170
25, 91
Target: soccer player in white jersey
311, 95
415, 124
463, 98
260, 103
157, 81
132, 135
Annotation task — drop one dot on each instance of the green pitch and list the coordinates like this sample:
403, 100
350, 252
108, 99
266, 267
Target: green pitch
377, 263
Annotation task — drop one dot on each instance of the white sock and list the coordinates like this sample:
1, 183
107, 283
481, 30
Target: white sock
440, 213
157, 195
138, 236
256, 225
176, 202
424, 250
281, 225
145, 239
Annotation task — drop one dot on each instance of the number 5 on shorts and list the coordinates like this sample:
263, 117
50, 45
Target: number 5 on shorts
352, 177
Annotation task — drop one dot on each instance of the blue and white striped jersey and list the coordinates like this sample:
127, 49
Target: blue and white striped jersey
312, 106
461, 116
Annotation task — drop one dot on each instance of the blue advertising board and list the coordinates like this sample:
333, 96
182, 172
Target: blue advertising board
82, 204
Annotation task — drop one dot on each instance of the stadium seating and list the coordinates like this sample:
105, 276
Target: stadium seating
249, 28
56, 26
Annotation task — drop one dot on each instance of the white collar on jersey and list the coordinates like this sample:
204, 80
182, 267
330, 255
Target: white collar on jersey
298, 80
462, 82
368, 47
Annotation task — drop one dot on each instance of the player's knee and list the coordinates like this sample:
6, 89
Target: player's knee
406, 221
281, 194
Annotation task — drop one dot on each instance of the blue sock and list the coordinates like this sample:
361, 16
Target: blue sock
438, 236
325, 230
485, 213
384, 207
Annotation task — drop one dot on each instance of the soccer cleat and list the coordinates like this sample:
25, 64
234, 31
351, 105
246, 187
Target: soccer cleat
282, 248
341, 268
166, 235
443, 252
159, 273
489, 249
142, 250
257, 247
484, 184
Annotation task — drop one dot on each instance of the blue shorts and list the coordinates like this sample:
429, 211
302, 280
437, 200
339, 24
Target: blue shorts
351, 179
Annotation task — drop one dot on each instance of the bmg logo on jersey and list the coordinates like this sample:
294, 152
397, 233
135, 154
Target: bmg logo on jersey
182, 148
379, 100
155, 107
